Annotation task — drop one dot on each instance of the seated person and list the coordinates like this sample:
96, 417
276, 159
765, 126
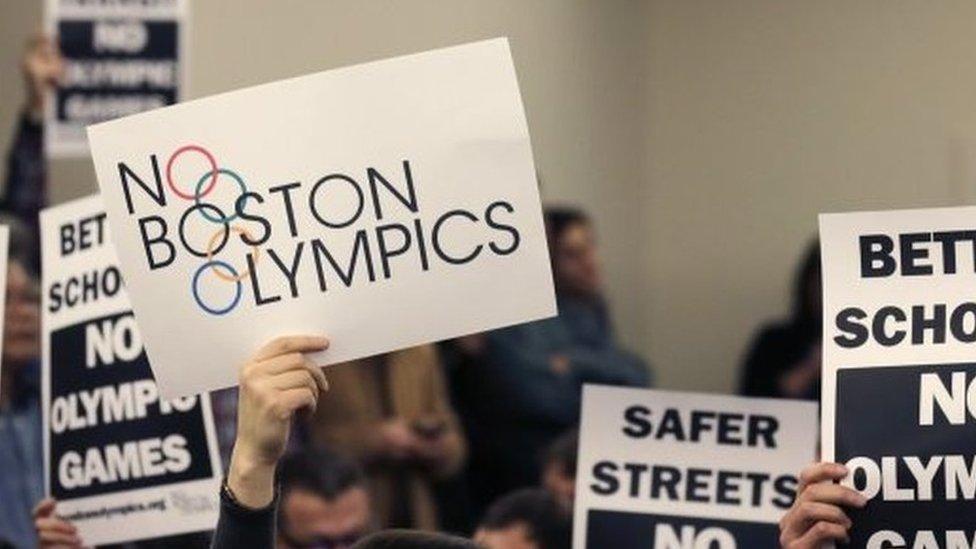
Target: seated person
784, 358
538, 369
559, 469
391, 413
817, 516
526, 519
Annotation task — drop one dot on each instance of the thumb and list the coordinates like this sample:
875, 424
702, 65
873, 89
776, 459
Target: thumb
45, 508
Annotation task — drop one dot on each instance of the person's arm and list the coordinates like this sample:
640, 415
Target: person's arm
535, 377
25, 189
445, 454
609, 365
817, 516
278, 382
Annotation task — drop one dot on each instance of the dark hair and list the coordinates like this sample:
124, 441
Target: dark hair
560, 218
320, 472
411, 539
563, 451
548, 524
808, 271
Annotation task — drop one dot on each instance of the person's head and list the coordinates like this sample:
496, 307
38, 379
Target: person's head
410, 539
324, 502
559, 468
808, 290
21, 318
572, 245
526, 519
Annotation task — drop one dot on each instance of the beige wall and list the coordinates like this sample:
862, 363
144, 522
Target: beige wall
763, 113
704, 135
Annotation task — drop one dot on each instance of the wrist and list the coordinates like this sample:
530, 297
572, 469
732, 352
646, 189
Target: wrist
251, 480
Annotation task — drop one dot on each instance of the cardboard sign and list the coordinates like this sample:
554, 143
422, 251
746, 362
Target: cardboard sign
121, 58
668, 470
123, 463
384, 205
899, 396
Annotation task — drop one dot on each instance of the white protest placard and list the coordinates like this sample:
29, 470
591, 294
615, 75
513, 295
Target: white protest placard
123, 463
120, 58
671, 470
899, 397
383, 205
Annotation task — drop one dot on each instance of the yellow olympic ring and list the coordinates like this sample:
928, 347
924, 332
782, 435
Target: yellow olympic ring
213, 241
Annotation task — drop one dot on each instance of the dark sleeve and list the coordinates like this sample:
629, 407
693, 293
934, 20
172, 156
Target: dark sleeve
610, 365
522, 360
763, 365
240, 527
25, 188
25, 191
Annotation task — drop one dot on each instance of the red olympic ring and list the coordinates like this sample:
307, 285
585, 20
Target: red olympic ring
213, 171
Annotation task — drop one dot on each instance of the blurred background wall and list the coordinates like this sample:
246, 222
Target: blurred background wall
704, 136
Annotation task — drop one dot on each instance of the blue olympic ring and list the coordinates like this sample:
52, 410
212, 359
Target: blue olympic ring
196, 294
199, 192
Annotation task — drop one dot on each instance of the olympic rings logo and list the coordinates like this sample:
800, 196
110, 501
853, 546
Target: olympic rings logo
204, 185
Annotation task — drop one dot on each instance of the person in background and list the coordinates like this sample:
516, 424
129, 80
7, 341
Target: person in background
324, 502
391, 413
24, 194
525, 519
817, 517
519, 388
784, 359
25, 185
21, 458
559, 469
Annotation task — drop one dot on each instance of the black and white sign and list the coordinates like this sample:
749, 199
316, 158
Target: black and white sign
899, 397
395, 238
121, 58
115, 451
669, 470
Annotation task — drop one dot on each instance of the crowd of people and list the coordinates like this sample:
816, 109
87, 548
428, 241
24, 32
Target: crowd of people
475, 436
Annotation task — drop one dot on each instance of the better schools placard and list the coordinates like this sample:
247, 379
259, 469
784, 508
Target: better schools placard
383, 205
123, 463
899, 387
670, 470
120, 58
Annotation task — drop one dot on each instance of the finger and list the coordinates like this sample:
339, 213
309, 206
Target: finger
820, 472
292, 344
818, 534
834, 494
55, 524
811, 512
295, 379
44, 508
283, 363
318, 375
51, 537
296, 399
